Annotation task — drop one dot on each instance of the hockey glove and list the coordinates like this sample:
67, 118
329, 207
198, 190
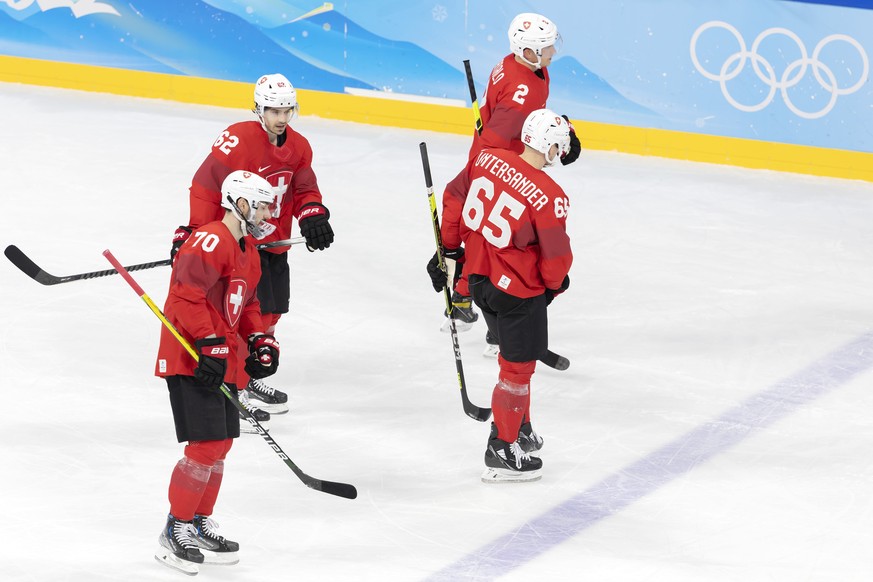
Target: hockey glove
263, 357
179, 237
213, 361
314, 226
438, 277
552, 293
575, 146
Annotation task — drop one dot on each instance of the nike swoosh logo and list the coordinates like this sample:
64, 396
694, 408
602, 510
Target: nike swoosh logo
264, 168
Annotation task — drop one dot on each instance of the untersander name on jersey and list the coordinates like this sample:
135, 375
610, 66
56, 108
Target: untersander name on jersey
513, 178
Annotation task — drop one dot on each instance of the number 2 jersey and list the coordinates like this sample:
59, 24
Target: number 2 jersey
212, 291
286, 166
511, 218
513, 92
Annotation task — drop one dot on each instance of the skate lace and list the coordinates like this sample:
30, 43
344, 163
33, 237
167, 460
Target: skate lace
519, 454
261, 387
184, 534
209, 528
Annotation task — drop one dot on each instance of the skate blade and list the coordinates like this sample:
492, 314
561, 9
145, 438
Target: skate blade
459, 326
168, 559
491, 351
492, 475
272, 408
219, 558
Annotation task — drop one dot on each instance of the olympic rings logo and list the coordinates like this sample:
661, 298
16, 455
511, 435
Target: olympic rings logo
791, 76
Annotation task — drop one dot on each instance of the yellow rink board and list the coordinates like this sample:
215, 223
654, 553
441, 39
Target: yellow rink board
413, 115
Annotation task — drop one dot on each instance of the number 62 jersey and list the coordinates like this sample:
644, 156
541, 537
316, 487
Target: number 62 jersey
287, 166
511, 218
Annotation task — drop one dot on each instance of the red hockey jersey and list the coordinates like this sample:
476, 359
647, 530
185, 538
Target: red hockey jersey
246, 146
513, 92
512, 220
212, 291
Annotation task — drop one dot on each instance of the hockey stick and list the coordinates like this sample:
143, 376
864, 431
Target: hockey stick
473, 411
32, 270
551, 359
338, 489
477, 115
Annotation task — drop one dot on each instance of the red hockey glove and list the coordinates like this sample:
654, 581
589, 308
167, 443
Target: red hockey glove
213, 361
314, 226
179, 237
263, 357
575, 146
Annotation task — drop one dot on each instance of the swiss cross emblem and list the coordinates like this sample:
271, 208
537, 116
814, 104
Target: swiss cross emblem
526, 24
234, 300
280, 182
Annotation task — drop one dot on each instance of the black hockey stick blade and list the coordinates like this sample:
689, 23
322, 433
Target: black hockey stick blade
343, 490
32, 270
473, 411
555, 361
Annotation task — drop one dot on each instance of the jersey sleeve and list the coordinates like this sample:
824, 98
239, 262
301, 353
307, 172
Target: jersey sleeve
194, 274
556, 256
454, 197
251, 320
205, 195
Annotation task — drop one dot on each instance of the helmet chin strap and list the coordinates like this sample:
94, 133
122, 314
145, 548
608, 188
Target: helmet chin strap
246, 225
537, 65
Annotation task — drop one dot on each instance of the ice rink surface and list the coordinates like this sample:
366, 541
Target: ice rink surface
715, 422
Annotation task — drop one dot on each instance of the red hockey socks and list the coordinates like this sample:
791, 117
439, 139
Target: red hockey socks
210, 494
193, 485
186, 487
510, 399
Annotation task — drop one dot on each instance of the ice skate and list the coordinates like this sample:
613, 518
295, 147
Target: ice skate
215, 548
462, 312
508, 463
529, 441
262, 416
491, 347
266, 397
178, 548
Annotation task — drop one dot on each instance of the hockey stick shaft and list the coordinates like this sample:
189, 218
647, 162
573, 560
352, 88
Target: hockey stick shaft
473, 411
477, 115
339, 489
35, 272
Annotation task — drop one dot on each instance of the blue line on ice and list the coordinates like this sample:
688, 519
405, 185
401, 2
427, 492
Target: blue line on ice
674, 459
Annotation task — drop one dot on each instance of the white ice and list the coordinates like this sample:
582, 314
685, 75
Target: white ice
705, 300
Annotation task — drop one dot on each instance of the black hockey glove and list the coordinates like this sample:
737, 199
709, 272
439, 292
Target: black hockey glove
438, 277
263, 357
212, 362
552, 293
575, 146
179, 237
314, 226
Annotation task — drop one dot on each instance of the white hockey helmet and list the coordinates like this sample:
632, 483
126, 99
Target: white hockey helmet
534, 32
274, 91
254, 189
544, 128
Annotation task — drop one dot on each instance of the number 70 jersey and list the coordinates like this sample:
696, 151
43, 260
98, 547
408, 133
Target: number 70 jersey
511, 218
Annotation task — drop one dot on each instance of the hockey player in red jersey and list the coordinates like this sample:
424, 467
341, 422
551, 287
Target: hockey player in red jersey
517, 86
270, 148
511, 217
212, 302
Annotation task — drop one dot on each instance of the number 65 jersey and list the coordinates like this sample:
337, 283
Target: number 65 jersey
512, 219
